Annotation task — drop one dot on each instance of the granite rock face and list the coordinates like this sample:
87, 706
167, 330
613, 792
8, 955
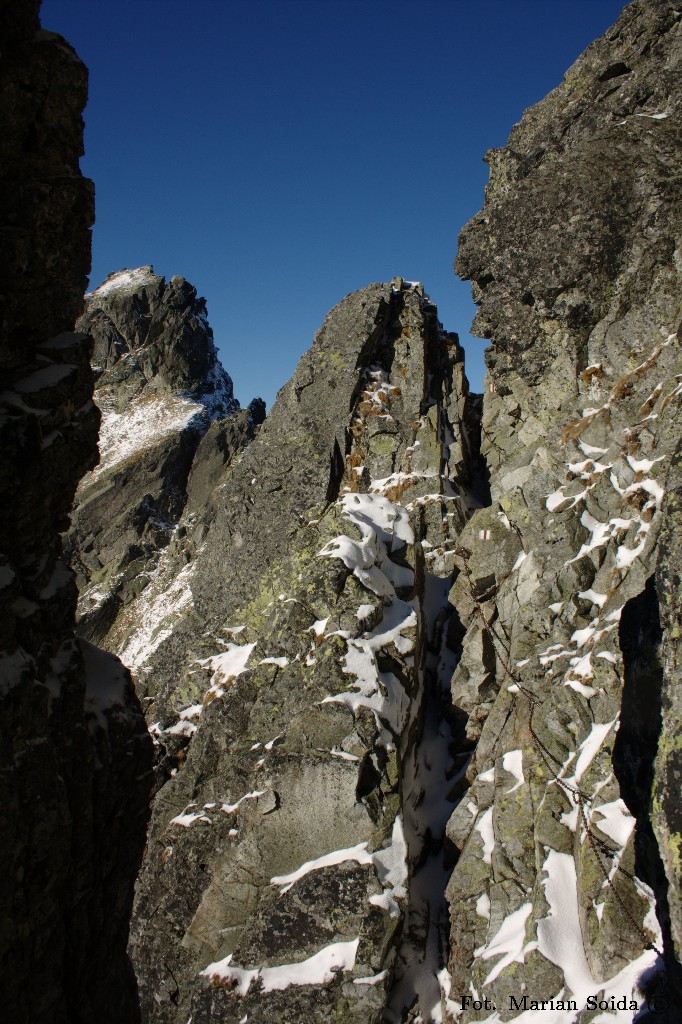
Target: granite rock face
667, 812
409, 659
76, 757
568, 583
289, 682
148, 331
167, 434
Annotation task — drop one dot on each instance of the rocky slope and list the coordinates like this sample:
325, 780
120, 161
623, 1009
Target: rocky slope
167, 433
291, 650
75, 756
412, 676
567, 883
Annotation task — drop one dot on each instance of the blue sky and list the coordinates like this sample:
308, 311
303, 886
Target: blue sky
282, 153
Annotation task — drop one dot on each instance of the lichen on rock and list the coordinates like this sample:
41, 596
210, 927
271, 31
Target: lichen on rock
573, 265
276, 881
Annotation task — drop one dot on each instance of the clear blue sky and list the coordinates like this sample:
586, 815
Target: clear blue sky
282, 153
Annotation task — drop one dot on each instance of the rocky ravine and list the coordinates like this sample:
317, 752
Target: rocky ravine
385, 648
75, 756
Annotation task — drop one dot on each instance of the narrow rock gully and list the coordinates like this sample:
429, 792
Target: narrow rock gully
433, 771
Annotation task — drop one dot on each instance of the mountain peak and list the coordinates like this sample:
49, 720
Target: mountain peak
126, 281
150, 333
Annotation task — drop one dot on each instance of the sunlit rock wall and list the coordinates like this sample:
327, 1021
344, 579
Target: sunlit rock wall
277, 883
569, 670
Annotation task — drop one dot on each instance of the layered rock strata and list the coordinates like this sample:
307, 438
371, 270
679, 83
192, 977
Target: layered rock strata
75, 754
282, 846
568, 583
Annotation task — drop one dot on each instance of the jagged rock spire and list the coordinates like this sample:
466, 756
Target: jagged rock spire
308, 574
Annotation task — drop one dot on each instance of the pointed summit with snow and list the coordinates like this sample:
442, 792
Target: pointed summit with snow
168, 415
152, 333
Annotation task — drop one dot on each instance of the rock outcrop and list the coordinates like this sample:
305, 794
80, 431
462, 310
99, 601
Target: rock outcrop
75, 755
569, 671
289, 680
409, 659
167, 434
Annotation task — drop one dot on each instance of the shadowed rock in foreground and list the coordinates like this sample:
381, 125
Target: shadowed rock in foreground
74, 752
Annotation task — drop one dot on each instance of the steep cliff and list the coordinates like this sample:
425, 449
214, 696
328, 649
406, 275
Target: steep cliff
569, 582
75, 754
282, 846
410, 664
160, 387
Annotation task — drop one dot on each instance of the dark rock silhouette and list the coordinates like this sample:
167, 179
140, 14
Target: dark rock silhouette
74, 751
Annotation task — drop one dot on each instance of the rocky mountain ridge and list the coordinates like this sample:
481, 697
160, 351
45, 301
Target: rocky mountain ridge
378, 408
409, 659
554, 880
148, 332
309, 673
170, 424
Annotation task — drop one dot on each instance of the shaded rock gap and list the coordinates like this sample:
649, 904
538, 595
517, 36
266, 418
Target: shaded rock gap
432, 769
436, 752
636, 746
